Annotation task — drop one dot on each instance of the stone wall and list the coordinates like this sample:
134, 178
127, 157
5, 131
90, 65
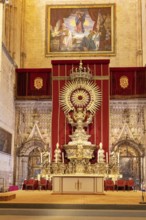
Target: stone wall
127, 124
30, 32
7, 114
32, 131
144, 31
126, 40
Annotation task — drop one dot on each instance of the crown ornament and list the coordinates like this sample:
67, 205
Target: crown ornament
80, 73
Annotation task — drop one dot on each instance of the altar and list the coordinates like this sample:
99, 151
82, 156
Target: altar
79, 164
78, 184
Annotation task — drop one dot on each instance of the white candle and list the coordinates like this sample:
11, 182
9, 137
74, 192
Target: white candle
46, 177
106, 157
100, 145
62, 157
118, 158
39, 177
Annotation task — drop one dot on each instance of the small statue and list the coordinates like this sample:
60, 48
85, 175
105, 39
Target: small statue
57, 154
101, 156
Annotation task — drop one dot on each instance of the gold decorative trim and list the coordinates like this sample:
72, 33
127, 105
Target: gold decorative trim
60, 78
101, 77
67, 78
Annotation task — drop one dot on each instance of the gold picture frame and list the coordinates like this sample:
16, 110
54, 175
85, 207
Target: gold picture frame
78, 30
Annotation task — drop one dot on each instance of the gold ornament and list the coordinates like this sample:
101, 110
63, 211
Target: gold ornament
124, 82
38, 83
80, 94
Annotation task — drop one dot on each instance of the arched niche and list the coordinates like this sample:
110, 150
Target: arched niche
130, 160
28, 159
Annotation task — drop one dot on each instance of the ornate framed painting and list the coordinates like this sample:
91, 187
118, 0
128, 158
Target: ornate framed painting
77, 30
5, 141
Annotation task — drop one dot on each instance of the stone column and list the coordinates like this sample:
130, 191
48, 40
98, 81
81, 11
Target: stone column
144, 30
144, 143
139, 33
1, 30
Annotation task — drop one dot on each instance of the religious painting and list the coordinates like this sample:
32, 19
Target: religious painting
80, 30
5, 141
130, 168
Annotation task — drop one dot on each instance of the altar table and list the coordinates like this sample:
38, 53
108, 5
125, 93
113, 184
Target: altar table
78, 184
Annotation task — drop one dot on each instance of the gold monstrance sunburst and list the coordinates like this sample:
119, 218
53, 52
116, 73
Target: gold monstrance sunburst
80, 92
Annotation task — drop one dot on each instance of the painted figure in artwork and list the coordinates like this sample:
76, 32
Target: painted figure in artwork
80, 19
91, 42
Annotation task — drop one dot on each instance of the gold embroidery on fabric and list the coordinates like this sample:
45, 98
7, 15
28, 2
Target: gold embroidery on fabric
38, 83
124, 82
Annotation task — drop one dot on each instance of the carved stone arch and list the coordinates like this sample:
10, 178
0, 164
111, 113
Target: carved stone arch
129, 143
131, 154
27, 154
29, 146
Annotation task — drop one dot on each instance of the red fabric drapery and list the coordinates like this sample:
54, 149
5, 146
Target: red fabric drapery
59, 15
94, 13
26, 83
136, 78
99, 130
